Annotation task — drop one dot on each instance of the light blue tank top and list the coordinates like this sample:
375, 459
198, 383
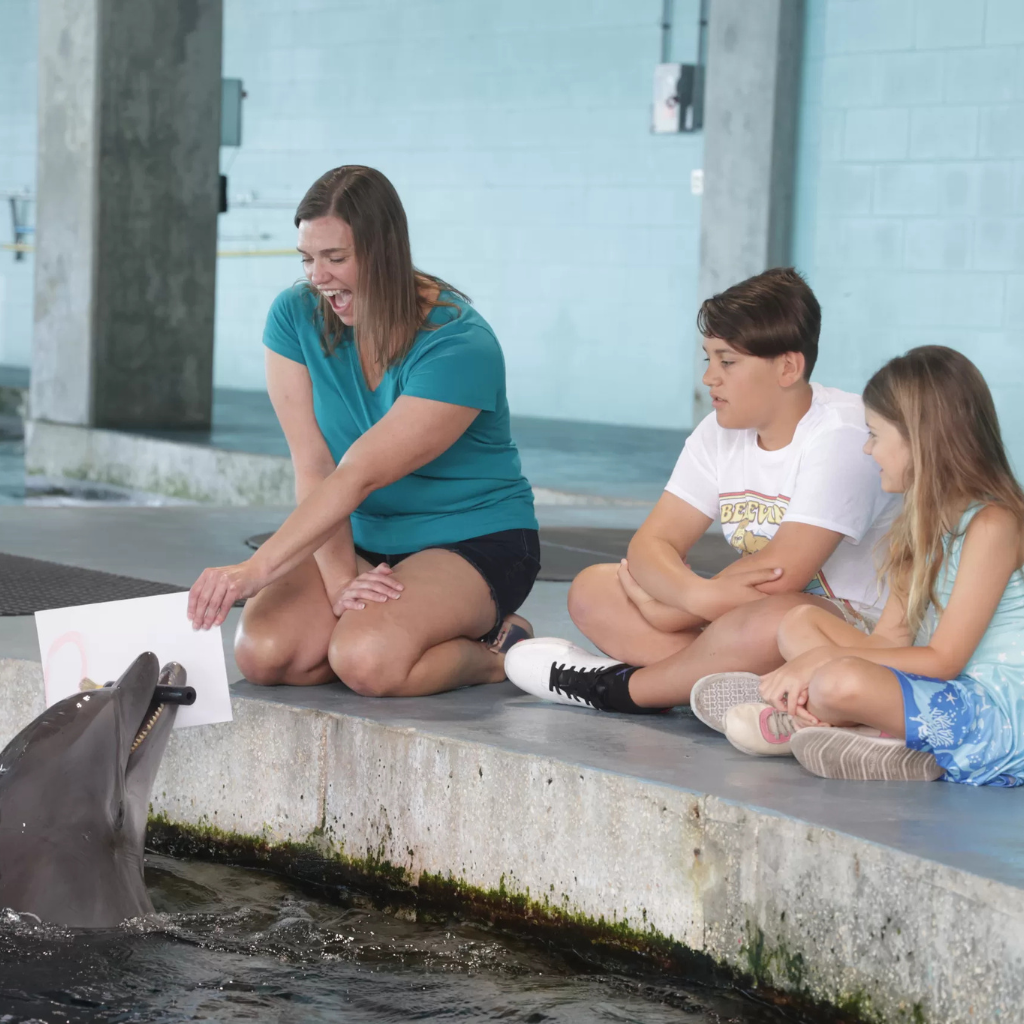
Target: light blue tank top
998, 661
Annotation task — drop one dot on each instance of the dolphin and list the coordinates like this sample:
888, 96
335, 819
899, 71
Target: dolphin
74, 800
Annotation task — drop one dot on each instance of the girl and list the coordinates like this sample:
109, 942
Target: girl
414, 535
937, 690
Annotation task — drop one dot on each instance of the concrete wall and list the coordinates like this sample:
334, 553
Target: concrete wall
910, 218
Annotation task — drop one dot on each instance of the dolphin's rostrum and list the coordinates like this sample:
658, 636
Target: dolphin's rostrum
74, 799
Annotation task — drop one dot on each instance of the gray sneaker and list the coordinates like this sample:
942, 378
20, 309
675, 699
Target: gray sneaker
849, 754
713, 695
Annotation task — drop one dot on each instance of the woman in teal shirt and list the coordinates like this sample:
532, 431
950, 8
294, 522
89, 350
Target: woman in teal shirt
414, 538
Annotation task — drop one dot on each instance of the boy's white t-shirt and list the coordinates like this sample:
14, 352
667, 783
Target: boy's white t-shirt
821, 478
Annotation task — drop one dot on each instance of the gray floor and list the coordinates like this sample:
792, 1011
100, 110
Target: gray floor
979, 830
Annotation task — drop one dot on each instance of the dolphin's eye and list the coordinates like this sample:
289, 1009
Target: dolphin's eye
119, 822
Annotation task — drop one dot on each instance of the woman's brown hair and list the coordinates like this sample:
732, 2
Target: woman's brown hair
942, 407
395, 298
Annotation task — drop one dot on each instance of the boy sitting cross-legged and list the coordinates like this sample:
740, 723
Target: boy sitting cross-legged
781, 462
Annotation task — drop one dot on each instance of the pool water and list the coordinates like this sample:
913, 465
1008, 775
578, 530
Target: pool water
232, 944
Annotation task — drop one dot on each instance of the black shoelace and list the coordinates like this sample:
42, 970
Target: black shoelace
587, 685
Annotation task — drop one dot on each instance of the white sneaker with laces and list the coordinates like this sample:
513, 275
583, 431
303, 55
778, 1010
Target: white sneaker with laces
559, 671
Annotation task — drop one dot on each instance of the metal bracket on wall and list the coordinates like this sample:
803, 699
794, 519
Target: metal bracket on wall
21, 227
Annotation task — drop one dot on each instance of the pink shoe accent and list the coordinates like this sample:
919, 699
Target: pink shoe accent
766, 733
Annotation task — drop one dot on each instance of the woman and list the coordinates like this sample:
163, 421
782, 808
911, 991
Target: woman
414, 537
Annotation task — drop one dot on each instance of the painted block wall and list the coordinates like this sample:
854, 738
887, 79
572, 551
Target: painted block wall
517, 133
17, 170
910, 192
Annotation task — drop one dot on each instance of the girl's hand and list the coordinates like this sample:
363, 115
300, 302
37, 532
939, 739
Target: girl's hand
216, 590
786, 688
374, 585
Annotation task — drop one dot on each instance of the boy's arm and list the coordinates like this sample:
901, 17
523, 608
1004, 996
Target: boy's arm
798, 549
656, 561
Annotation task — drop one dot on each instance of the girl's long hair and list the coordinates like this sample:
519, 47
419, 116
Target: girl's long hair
941, 405
393, 300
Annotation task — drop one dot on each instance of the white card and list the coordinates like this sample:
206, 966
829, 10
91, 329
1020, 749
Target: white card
100, 641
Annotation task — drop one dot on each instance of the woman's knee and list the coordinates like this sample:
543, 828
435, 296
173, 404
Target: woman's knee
590, 594
262, 657
369, 664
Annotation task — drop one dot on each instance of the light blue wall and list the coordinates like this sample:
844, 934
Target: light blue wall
518, 135
910, 200
17, 170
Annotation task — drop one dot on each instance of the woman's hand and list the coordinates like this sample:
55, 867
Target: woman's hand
375, 585
216, 590
786, 688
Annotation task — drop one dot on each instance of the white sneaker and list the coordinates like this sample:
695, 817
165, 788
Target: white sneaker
713, 695
760, 730
559, 671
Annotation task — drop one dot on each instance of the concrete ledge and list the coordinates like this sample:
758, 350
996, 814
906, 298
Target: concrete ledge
880, 932
196, 472
140, 463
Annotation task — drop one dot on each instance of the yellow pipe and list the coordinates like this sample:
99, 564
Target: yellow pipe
24, 247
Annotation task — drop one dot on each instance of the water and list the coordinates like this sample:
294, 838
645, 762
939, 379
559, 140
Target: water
231, 944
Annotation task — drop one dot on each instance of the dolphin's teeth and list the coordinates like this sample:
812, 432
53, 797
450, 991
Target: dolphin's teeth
147, 725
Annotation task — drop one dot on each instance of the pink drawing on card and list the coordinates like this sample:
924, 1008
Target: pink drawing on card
56, 659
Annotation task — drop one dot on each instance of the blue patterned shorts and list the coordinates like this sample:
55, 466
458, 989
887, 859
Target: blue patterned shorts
956, 721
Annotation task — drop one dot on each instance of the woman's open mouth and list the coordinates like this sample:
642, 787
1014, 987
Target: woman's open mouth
339, 298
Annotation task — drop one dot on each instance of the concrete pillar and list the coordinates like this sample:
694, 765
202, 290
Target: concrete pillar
750, 117
126, 222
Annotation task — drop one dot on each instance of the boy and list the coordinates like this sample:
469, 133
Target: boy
781, 462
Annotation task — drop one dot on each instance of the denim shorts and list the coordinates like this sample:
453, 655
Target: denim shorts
508, 561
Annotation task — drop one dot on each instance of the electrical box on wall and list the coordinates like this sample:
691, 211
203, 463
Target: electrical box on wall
678, 98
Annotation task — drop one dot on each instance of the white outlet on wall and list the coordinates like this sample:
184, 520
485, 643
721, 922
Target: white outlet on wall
697, 181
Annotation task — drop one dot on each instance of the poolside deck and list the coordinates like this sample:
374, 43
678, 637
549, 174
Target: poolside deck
887, 896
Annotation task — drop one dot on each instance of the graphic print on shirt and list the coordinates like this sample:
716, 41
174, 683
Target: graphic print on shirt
749, 521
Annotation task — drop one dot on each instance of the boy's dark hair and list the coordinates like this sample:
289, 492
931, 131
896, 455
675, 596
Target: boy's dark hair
765, 316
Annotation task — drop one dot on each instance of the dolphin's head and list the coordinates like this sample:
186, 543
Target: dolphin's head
74, 796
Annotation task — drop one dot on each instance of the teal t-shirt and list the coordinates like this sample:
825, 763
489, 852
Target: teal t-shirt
477, 486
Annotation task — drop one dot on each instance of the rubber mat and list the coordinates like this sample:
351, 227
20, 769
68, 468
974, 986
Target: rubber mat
30, 585
565, 551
